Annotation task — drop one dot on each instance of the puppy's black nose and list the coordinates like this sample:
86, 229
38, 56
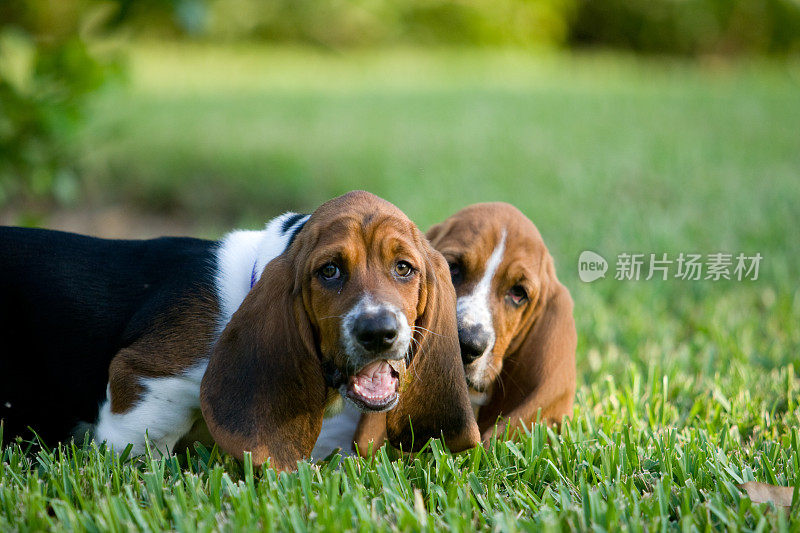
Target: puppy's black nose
474, 341
376, 331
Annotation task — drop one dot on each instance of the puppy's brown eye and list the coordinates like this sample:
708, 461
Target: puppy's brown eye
517, 295
330, 271
403, 269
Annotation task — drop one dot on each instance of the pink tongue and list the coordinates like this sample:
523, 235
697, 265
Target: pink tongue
375, 380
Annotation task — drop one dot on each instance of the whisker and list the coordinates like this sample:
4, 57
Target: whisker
332, 316
416, 376
413, 345
418, 347
417, 344
499, 380
420, 328
513, 381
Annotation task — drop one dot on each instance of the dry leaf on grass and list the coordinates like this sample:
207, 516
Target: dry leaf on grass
762, 492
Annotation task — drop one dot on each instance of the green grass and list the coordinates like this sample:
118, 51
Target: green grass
685, 388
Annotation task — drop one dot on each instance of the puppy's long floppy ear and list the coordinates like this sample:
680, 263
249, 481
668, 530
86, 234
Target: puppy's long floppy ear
433, 400
264, 390
540, 374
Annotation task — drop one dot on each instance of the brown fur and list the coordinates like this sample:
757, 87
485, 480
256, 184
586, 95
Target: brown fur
533, 359
176, 342
370, 433
264, 389
435, 402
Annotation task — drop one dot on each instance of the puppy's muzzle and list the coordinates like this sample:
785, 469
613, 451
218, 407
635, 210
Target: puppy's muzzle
376, 344
376, 331
474, 341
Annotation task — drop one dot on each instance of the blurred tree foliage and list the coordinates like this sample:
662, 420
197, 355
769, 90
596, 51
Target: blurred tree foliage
682, 27
690, 27
335, 23
50, 58
47, 70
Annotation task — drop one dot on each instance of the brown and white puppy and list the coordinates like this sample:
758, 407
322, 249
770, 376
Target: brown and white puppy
264, 332
515, 322
359, 288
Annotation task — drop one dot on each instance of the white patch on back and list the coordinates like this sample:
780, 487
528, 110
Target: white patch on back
244, 252
166, 411
169, 406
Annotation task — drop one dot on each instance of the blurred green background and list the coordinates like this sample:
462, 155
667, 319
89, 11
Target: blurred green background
618, 126
216, 112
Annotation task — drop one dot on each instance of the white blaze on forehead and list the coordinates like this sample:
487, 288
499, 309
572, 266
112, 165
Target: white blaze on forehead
473, 309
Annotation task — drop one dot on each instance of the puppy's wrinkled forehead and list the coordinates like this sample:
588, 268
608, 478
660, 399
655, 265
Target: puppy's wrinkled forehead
484, 224
361, 226
364, 235
474, 233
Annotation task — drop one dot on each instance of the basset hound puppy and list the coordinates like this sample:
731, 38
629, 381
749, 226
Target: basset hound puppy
259, 335
515, 322
515, 326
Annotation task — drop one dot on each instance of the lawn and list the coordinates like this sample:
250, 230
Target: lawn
685, 388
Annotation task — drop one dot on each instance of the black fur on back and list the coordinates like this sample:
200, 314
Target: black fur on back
69, 303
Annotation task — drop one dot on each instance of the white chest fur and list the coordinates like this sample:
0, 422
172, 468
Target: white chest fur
337, 432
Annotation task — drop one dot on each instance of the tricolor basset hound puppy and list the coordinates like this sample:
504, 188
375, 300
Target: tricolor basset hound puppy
258, 335
515, 322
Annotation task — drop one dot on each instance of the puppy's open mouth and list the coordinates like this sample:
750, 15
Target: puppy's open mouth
376, 386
